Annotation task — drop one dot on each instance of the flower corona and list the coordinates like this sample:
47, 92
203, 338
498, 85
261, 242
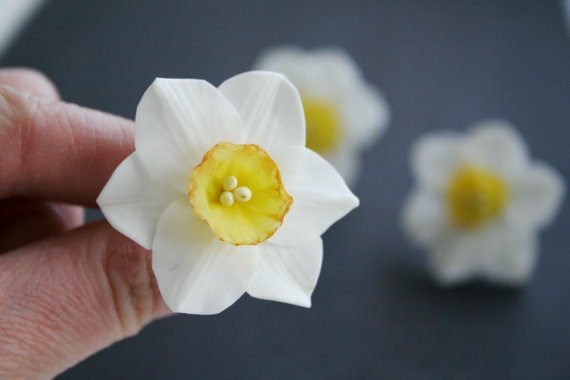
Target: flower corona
237, 190
323, 125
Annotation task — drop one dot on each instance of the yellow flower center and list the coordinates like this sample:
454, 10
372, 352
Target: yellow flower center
323, 125
237, 190
475, 195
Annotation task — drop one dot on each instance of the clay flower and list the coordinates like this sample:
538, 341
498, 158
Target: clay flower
479, 202
222, 189
344, 113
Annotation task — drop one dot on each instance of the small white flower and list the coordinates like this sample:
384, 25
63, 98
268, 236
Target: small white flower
222, 189
344, 113
479, 202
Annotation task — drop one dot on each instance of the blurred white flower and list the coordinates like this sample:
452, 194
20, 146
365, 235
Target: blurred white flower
479, 202
222, 189
344, 113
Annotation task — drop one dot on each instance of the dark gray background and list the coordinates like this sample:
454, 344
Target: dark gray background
376, 314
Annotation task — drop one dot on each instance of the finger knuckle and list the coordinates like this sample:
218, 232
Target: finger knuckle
14, 132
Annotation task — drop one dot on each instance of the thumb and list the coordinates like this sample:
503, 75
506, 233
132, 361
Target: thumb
67, 297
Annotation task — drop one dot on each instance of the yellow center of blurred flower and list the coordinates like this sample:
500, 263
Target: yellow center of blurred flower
323, 125
474, 196
237, 190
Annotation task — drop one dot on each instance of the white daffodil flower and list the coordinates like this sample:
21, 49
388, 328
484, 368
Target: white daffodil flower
223, 190
479, 202
344, 113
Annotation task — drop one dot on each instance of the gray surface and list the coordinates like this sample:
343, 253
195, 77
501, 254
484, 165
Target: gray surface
441, 64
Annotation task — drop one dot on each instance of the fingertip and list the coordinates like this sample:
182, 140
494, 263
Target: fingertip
30, 80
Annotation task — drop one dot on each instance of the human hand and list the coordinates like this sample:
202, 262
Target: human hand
67, 290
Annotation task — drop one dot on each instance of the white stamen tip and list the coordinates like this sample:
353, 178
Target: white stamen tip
230, 183
227, 198
242, 194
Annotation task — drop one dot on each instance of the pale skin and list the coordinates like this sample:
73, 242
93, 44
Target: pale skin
67, 289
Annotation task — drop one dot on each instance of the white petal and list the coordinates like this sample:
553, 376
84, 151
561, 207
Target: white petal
366, 115
132, 201
456, 255
177, 122
503, 253
497, 145
511, 259
424, 217
270, 108
320, 196
290, 61
434, 157
311, 72
347, 162
536, 195
331, 74
196, 272
287, 273
363, 108
336, 72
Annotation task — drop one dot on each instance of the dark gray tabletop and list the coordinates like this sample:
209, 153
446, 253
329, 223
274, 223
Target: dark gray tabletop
375, 314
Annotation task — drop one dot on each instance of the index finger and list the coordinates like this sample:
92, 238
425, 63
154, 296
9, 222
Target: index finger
56, 150
29, 80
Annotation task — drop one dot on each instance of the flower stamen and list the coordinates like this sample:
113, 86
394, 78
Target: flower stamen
227, 198
230, 183
242, 194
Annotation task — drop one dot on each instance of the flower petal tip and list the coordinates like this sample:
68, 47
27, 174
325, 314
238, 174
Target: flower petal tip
354, 202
